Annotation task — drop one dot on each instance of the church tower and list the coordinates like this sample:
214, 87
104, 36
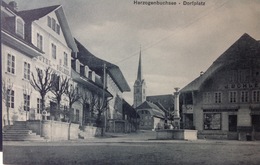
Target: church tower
139, 86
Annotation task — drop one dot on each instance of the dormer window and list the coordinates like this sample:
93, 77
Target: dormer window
52, 23
77, 66
20, 27
86, 71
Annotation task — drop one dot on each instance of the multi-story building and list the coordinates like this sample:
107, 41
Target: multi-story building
38, 38
224, 102
109, 77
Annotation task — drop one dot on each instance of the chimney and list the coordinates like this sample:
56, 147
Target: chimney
13, 5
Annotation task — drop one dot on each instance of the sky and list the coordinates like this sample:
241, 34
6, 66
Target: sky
177, 42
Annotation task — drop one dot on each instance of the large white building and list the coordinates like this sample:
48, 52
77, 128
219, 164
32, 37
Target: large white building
41, 38
38, 38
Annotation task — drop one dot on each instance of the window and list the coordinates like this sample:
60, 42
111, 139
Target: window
256, 96
10, 98
26, 74
218, 97
53, 51
49, 21
232, 97
244, 96
77, 115
244, 75
206, 97
212, 121
26, 102
53, 24
58, 28
39, 105
20, 27
65, 59
11, 64
39, 41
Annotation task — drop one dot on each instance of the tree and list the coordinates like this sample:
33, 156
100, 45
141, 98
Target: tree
27, 91
42, 83
7, 87
85, 100
59, 87
73, 95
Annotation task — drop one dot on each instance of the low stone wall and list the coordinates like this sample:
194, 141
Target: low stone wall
176, 134
54, 130
90, 132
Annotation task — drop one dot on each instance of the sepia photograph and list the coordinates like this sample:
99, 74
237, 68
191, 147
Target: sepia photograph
130, 82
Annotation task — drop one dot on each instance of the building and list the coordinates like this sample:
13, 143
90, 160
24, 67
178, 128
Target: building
164, 102
41, 38
151, 116
38, 38
109, 77
224, 102
131, 117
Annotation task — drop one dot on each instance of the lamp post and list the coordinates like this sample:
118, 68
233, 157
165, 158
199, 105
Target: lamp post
176, 118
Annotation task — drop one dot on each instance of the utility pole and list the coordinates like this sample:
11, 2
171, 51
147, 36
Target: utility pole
103, 97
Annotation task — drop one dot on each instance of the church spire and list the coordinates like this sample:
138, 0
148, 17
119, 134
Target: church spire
139, 72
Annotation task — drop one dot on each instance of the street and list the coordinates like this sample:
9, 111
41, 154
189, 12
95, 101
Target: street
146, 152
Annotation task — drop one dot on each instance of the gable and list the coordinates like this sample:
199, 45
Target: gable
40, 18
245, 48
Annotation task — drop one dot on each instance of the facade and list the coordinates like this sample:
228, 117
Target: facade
31, 39
131, 117
41, 38
109, 77
164, 102
151, 116
139, 86
224, 102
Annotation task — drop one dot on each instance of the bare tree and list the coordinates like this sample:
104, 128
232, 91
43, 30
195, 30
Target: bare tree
27, 91
59, 87
73, 95
7, 87
42, 83
85, 100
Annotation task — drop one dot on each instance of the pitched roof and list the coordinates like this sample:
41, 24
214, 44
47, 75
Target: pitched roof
96, 64
244, 48
35, 14
154, 109
129, 110
166, 101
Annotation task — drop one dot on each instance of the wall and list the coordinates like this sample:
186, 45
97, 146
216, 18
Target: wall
54, 130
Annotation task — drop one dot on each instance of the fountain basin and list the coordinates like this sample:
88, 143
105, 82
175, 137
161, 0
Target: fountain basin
176, 134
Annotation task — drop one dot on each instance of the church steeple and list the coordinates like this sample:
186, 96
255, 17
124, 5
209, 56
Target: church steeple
139, 72
139, 86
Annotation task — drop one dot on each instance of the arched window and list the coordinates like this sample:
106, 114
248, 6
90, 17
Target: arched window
20, 27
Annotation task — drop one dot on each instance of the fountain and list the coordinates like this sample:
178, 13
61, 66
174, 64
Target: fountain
176, 133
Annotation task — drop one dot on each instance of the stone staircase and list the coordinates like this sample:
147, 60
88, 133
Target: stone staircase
20, 132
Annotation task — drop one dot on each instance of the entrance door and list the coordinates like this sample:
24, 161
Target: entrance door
53, 108
232, 123
256, 122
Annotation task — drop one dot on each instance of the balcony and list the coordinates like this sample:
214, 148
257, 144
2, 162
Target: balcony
187, 108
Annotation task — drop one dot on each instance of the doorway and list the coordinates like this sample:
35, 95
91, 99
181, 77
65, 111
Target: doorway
232, 123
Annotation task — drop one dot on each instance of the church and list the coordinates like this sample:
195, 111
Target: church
152, 113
